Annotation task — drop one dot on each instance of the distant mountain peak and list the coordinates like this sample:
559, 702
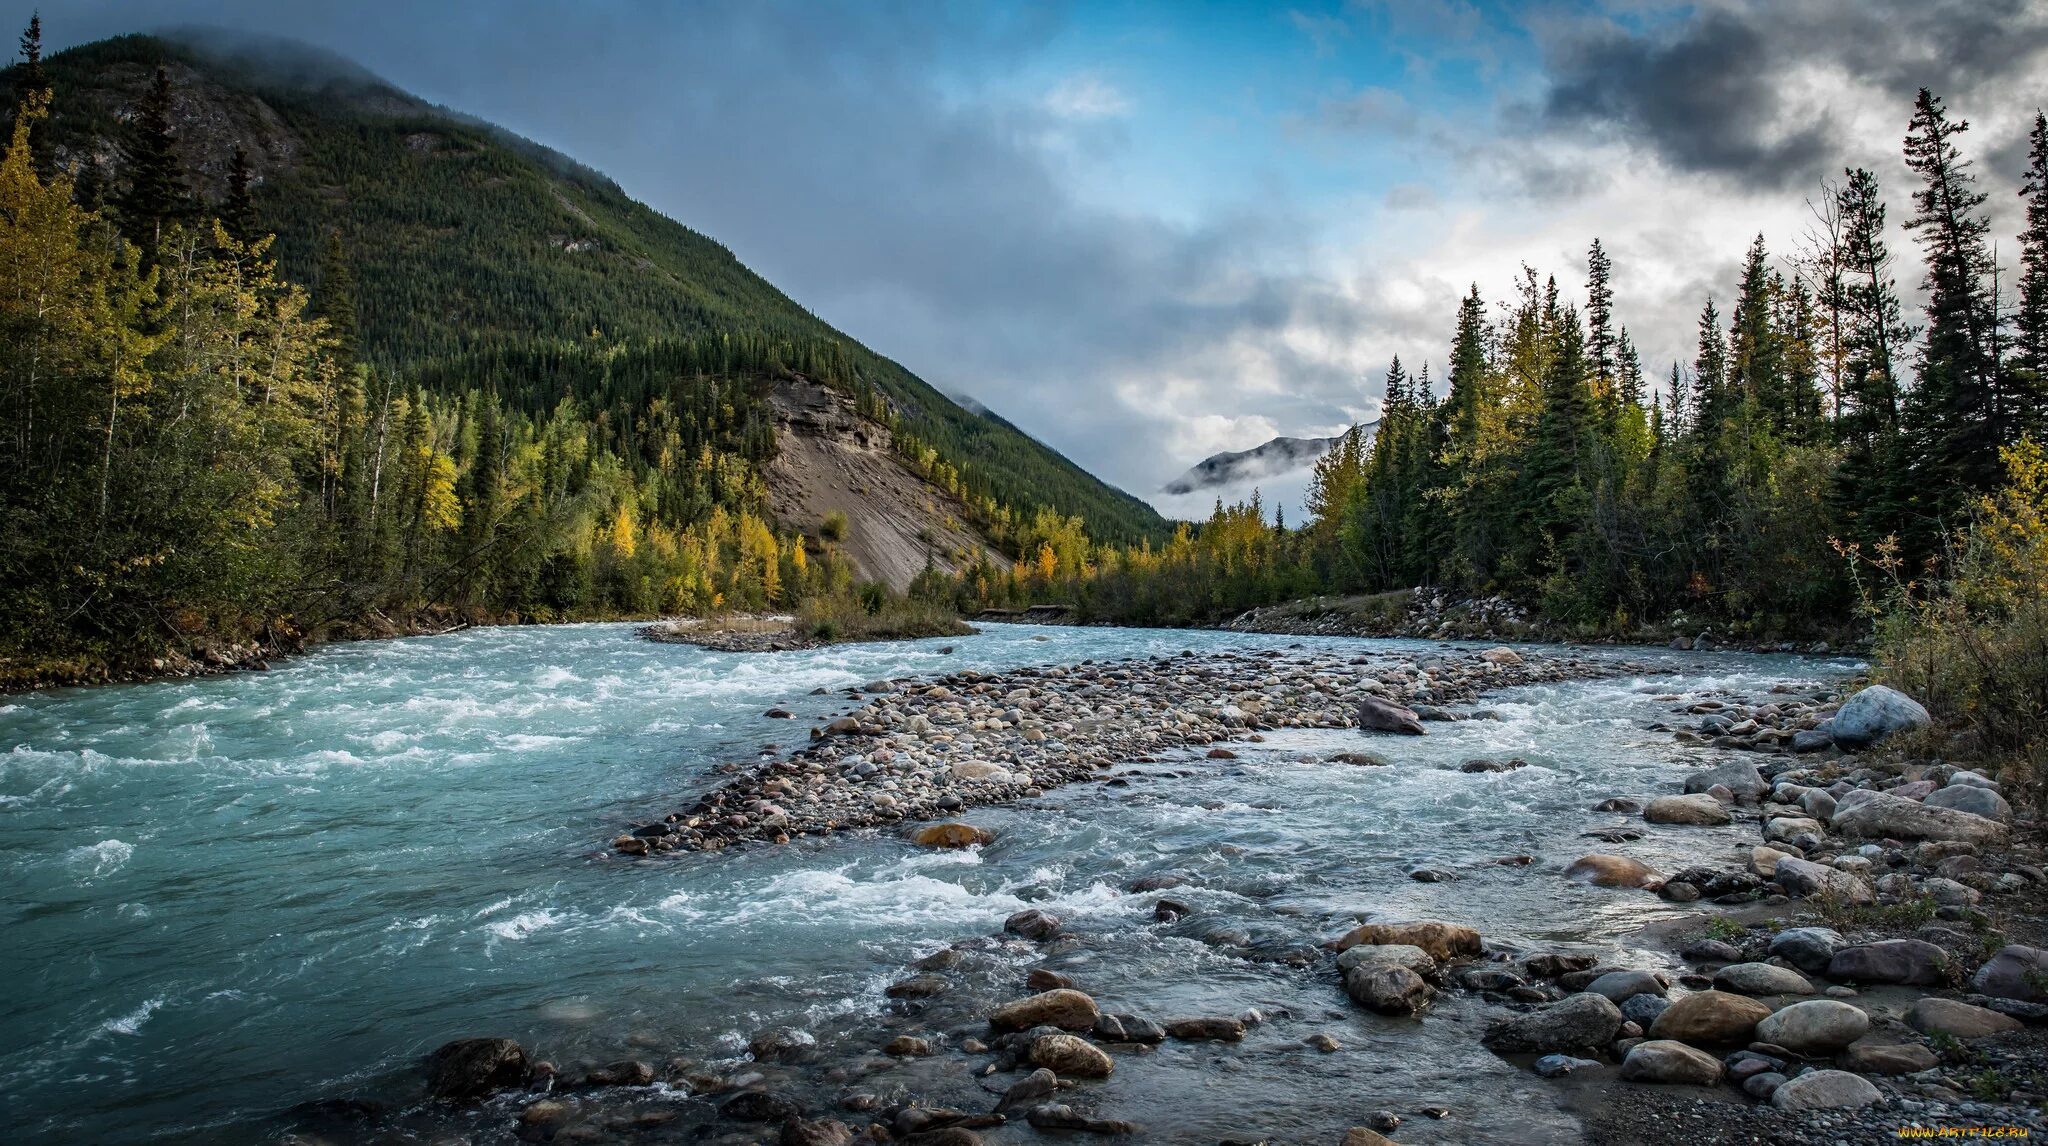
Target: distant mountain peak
1241, 467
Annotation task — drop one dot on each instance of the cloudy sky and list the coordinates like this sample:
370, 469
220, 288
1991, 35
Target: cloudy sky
1147, 232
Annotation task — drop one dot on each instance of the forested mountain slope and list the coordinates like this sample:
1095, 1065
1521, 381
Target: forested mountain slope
482, 258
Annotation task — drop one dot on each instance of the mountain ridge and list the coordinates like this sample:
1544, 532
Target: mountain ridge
1273, 458
469, 240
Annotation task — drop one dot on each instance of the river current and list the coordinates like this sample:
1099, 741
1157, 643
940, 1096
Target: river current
226, 896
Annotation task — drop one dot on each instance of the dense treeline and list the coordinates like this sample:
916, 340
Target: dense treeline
1814, 424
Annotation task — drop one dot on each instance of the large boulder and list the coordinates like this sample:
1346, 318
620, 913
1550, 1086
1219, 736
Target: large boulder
1808, 948
1738, 776
1445, 941
1618, 986
1070, 1056
1663, 1060
1819, 1026
1762, 979
1580, 1022
1910, 961
1866, 1056
1698, 811
1376, 715
1825, 1090
951, 836
1791, 830
1611, 871
469, 1069
1972, 799
1064, 1008
1710, 1018
1805, 878
1936, 1016
1880, 815
1875, 713
1390, 990
2016, 972
1403, 955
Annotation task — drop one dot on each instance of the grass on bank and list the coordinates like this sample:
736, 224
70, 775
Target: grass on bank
871, 612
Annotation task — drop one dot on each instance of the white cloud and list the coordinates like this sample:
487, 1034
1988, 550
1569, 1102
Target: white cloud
1087, 96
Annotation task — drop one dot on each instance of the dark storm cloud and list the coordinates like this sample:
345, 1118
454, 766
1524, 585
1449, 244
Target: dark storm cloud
1732, 89
855, 155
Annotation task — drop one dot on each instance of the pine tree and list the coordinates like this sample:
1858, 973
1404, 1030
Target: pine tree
1754, 358
41, 148
238, 210
1468, 404
337, 296
1712, 403
2030, 349
155, 197
1956, 428
1603, 355
1873, 328
1552, 473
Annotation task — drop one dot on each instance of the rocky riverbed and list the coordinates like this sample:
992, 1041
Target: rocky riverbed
1838, 938
929, 747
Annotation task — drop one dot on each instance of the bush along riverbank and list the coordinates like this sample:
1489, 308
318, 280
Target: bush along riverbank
1874, 957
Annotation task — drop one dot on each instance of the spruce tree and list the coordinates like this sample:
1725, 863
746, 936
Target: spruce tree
1465, 408
42, 149
2030, 348
238, 210
1602, 354
155, 196
337, 296
1955, 429
1754, 359
1874, 330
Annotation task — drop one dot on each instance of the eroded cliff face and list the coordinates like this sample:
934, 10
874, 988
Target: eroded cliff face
829, 458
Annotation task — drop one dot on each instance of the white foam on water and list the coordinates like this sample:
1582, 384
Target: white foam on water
131, 1023
523, 924
532, 742
556, 677
93, 861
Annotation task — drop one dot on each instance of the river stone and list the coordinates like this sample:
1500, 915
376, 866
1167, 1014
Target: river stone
1663, 1060
1819, 1026
1911, 961
1040, 1083
797, 1132
1643, 1009
781, 1044
908, 1046
1365, 1136
1881, 815
1032, 923
1065, 1008
1611, 871
1620, 985
1376, 715
760, 1106
1866, 1057
1221, 1030
1122, 1028
1711, 951
1875, 713
1710, 1018
1808, 948
1811, 740
1805, 878
1738, 776
546, 1112
2016, 972
1931, 1015
1559, 1065
1071, 1057
1762, 979
1370, 956
469, 1069
1581, 1022
1699, 811
1388, 990
1825, 1090
1764, 861
1974, 800
951, 836
1445, 941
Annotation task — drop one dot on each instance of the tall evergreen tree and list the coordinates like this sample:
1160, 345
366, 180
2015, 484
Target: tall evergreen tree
41, 148
2030, 347
1603, 355
337, 295
238, 210
155, 196
1755, 361
1956, 430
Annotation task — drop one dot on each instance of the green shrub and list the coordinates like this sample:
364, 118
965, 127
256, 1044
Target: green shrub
833, 527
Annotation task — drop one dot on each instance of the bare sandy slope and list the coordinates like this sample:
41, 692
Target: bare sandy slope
830, 458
